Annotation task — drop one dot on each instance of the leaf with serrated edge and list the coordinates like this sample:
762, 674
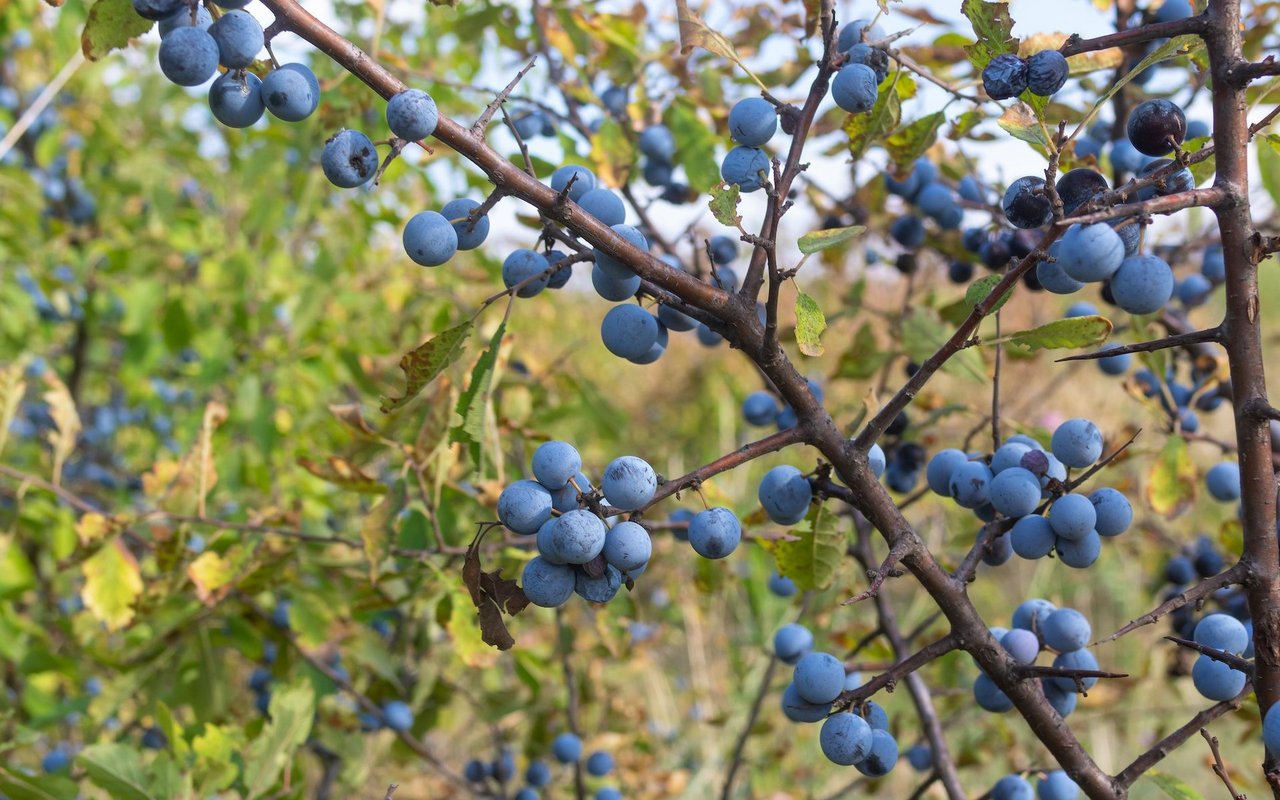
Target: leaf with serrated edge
112, 583
291, 713
810, 323
994, 31
812, 555
422, 364
980, 289
117, 769
111, 24
814, 241
1061, 334
724, 204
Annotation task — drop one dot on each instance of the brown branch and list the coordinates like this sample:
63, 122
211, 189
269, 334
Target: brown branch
1074, 45
748, 452
1230, 659
881, 572
1242, 74
1102, 464
1213, 334
1148, 759
1220, 768
889, 678
1193, 594
1210, 197
482, 121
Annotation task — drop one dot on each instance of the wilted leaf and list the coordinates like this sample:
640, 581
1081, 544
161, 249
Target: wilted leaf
66, 422
422, 364
724, 204
813, 241
696, 33
341, 472
810, 323
215, 414
375, 530
812, 557
993, 29
112, 583
981, 288
492, 595
1171, 479
1061, 334
212, 576
1020, 121
12, 387
291, 713
349, 414
111, 24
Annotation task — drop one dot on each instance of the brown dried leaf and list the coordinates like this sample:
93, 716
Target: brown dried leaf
492, 595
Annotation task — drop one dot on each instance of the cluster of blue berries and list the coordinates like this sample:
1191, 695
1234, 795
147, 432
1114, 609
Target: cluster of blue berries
1039, 625
1052, 785
1020, 478
860, 737
566, 749
1009, 75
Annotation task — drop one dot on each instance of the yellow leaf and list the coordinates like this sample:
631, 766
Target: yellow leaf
465, 632
1171, 480
92, 527
212, 575
112, 584
12, 387
66, 421
696, 33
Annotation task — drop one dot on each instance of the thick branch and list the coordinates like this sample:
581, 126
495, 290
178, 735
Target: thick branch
1126, 38
1126, 777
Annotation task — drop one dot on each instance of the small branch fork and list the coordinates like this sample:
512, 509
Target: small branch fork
1220, 767
482, 121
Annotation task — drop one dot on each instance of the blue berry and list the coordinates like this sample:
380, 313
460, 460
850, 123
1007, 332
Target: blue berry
525, 265
938, 472
1222, 632
397, 715
188, 56
1072, 516
1091, 253
412, 115
819, 677
599, 764
291, 92
600, 589
567, 748
746, 166
612, 266
1113, 510
537, 774
1143, 284
1066, 629
523, 506
1057, 785
752, 121
854, 88
1215, 680
604, 205
791, 642
1005, 77
1015, 492
577, 536
629, 482
656, 141
627, 546
457, 212
1117, 364
1046, 72
1077, 443
1213, 264
1012, 787
882, 757
907, 231
715, 533
782, 586
785, 495
1079, 553
970, 484
1032, 537
1022, 645
1025, 204
429, 239
989, 696
1223, 481
1031, 614
349, 159
1271, 730
546, 584
920, 757
234, 102
845, 738
628, 331
1075, 659
584, 180
239, 38
759, 408
1156, 126
797, 709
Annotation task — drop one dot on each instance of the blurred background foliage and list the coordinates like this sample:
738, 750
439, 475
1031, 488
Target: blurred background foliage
196, 331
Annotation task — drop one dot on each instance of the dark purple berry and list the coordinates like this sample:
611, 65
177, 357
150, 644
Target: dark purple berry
1156, 127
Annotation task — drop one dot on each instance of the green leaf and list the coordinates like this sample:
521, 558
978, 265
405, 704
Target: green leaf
909, 143
117, 769
813, 241
810, 323
176, 325
422, 364
923, 332
1268, 148
1171, 479
17, 574
1061, 334
291, 712
993, 28
1172, 786
724, 204
375, 530
112, 583
1018, 121
1201, 170
981, 288
18, 786
815, 553
864, 357
111, 24
696, 143
865, 130
471, 405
